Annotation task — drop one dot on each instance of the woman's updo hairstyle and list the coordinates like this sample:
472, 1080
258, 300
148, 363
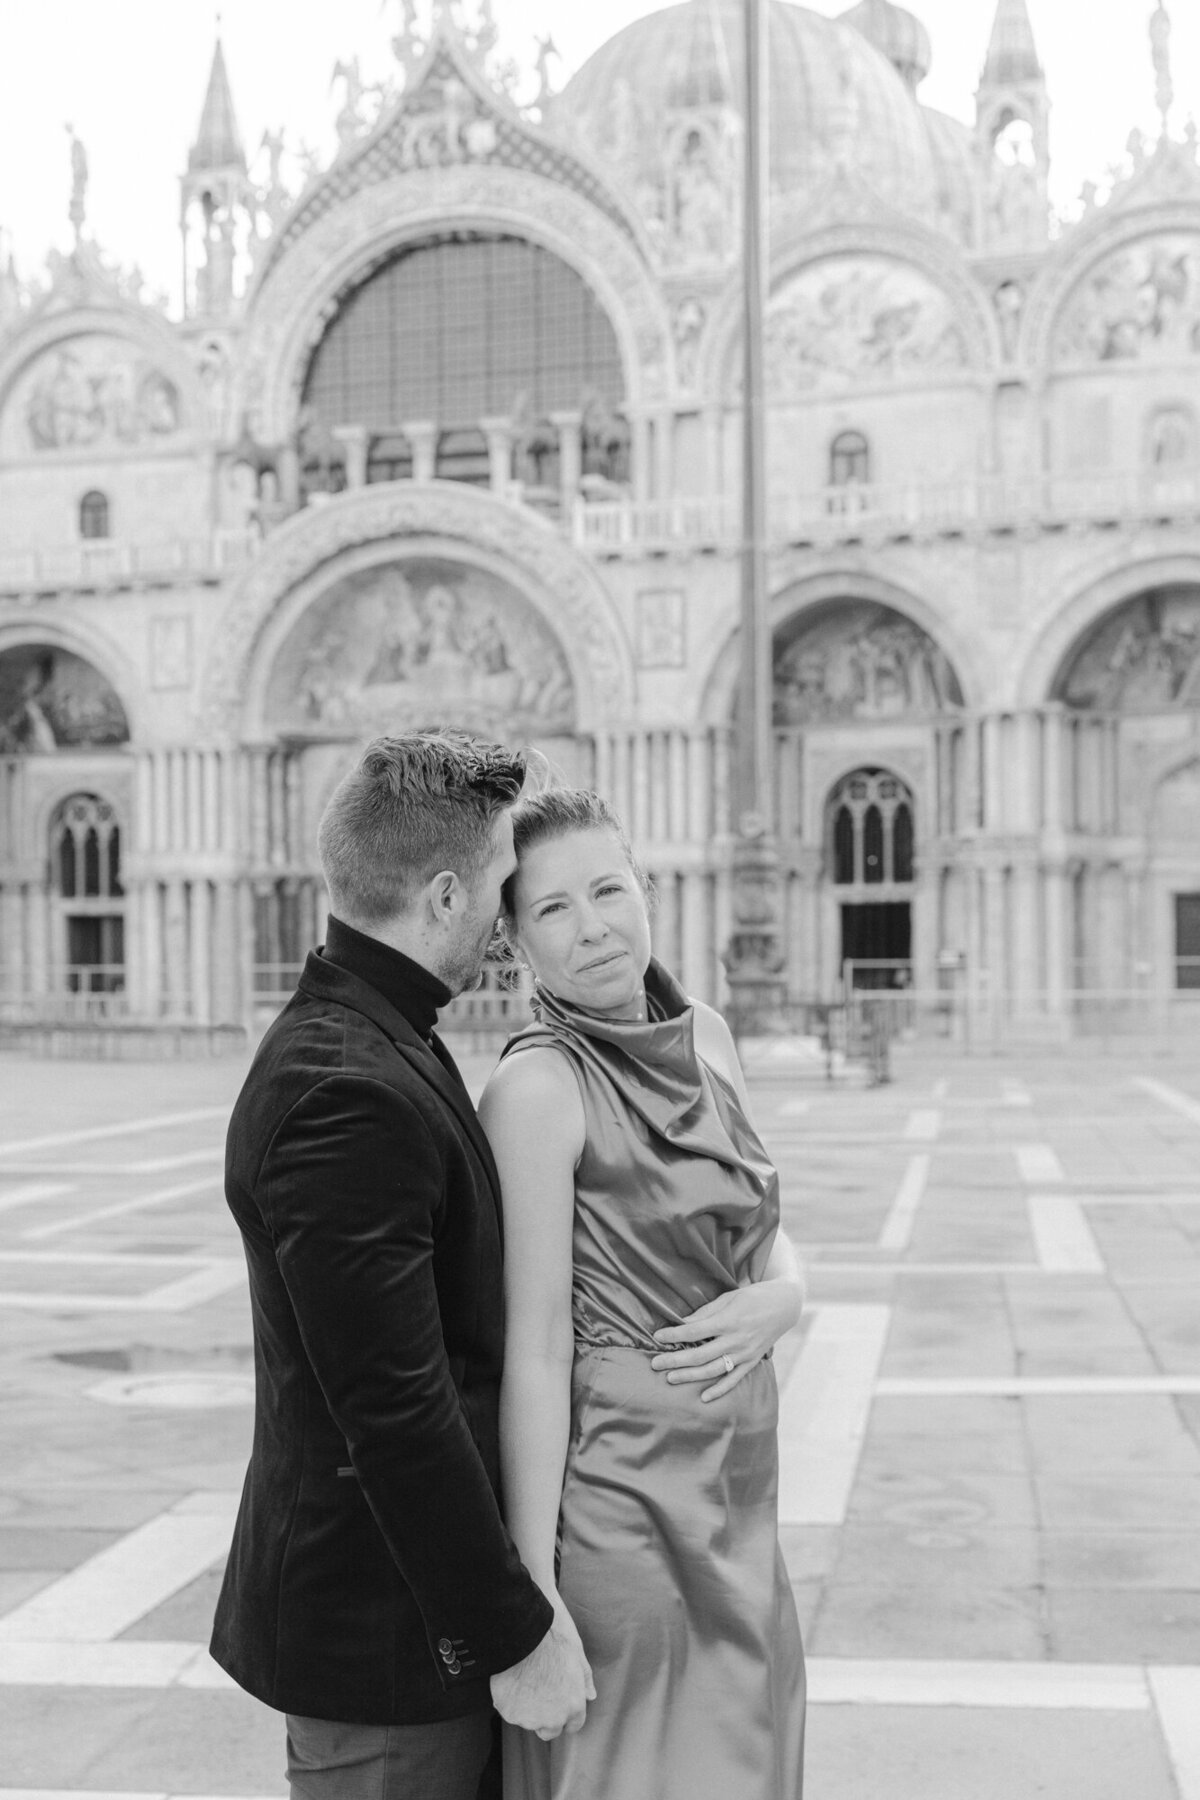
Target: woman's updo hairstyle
558, 812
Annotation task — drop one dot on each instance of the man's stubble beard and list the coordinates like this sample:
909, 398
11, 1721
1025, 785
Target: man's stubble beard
464, 969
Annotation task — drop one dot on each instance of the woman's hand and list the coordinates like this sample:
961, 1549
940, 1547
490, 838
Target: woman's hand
742, 1325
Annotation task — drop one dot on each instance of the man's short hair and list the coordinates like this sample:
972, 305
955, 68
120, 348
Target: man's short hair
415, 804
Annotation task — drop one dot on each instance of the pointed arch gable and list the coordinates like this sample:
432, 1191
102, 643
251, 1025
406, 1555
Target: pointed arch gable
801, 594
907, 246
1062, 635
290, 309
1081, 253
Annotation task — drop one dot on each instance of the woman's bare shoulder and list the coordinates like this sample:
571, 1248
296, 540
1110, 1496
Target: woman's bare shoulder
534, 1088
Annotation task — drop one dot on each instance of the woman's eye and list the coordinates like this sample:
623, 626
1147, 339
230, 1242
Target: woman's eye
554, 906
613, 887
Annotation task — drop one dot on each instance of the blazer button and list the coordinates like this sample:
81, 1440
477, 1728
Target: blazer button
445, 1648
454, 1667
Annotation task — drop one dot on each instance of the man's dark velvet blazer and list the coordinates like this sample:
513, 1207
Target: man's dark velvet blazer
371, 1579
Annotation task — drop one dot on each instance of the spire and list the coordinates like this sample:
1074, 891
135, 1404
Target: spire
1160, 49
218, 142
1012, 57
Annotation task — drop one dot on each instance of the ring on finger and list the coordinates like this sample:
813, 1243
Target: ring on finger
730, 1365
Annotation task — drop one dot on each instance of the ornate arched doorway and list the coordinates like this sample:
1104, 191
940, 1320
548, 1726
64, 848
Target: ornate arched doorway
865, 703
1130, 691
64, 791
870, 834
402, 643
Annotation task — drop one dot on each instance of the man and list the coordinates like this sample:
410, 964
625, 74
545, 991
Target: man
372, 1592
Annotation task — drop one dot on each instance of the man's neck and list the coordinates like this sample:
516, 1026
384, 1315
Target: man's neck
399, 935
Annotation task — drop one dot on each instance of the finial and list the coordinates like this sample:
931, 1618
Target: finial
77, 211
1160, 50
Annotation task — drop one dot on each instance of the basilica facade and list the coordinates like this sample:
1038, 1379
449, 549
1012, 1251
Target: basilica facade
449, 432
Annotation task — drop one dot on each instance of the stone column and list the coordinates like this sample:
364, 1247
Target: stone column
176, 960
639, 453
226, 955
714, 474
422, 434
200, 945
499, 434
677, 786
354, 442
692, 922
287, 469
994, 782
153, 997
569, 426
1025, 977
664, 454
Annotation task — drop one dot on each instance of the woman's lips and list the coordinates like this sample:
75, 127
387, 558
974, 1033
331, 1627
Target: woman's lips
601, 961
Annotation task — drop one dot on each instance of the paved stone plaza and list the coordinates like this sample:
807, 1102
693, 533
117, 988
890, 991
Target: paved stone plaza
990, 1435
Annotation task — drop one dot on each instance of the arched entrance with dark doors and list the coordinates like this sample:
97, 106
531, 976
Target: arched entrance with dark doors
870, 839
866, 702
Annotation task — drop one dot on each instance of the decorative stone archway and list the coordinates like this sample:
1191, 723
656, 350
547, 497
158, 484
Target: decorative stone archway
289, 311
426, 525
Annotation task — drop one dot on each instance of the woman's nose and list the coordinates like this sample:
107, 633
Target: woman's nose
591, 925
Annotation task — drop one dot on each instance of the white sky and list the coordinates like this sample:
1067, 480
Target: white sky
130, 76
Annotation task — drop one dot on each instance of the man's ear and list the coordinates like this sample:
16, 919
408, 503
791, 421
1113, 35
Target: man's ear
445, 894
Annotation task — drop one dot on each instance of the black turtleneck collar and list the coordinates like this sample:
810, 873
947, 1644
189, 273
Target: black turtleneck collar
411, 989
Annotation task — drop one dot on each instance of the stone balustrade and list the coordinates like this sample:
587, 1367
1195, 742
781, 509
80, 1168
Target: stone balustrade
897, 510
117, 562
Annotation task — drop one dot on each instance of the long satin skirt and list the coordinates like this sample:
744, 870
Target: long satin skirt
671, 1569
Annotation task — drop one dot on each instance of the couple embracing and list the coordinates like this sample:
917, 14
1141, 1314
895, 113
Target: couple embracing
540, 1486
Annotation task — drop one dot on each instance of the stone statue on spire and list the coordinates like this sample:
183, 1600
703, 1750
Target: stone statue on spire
77, 212
1160, 50
546, 48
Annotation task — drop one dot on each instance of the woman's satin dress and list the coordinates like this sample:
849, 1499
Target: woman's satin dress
669, 1554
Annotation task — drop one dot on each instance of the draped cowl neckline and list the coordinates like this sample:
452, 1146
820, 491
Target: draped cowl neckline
654, 1065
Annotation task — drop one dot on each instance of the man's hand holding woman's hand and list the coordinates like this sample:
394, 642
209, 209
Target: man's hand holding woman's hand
548, 1692
741, 1326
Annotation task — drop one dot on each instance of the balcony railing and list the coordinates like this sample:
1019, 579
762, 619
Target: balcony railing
893, 510
81, 993
116, 562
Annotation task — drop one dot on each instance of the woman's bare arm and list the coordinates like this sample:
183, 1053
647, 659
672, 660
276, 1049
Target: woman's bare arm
533, 1115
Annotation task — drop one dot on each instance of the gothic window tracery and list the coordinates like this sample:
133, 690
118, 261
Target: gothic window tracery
86, 849
871, 830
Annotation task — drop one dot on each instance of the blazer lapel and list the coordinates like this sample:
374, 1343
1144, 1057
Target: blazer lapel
326, 981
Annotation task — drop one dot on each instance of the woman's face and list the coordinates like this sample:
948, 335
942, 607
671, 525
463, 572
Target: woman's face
581, 920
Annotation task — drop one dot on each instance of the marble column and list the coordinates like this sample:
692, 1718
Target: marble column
422, 435
695, 949
499, 434
355, 443
664, 454
175, 947
569, 426
226, 955
639, 451
200, 946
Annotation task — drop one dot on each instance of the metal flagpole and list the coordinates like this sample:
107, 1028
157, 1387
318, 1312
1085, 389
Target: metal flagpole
753, 958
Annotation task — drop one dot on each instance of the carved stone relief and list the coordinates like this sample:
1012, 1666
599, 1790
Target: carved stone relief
422, 641
52, 700
858, 319
859, 660
1143, 658
96, 391
1141, 303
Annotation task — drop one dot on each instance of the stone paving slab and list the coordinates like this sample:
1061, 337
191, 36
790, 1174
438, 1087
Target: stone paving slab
995, 1537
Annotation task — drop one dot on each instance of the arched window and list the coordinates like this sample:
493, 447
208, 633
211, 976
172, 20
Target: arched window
460, 329
871, 830
843, 846
93, 515
849, 460
86, 849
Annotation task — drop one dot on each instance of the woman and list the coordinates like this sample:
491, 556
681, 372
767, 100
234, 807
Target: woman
646, 1282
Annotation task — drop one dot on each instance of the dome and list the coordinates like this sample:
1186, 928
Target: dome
897, 34
834, 97
952, 147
